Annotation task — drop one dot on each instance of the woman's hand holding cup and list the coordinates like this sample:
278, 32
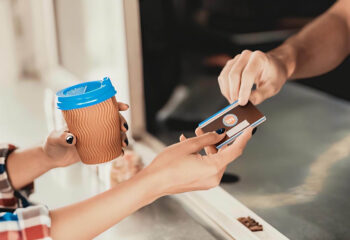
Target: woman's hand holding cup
60, 149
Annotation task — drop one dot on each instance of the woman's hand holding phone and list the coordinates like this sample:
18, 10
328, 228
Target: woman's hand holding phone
180, 167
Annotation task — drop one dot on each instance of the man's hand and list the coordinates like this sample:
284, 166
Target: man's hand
248, 68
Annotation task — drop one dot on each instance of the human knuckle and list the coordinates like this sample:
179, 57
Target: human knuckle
212, 136
195, 145
234, 75
258, 53
221, 79
237, 57
230, 61
246, 51
247, 73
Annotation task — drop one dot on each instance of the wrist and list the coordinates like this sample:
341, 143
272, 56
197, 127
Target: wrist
23, 166
153, 183
45, 161
286, 56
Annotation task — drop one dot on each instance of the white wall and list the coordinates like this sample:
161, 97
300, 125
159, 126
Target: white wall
9, 69
92, 42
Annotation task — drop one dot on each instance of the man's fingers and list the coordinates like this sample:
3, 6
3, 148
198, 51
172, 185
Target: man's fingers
224, 78
233, 151
235, 75
195, 144
251, 74
123, 106
262, 93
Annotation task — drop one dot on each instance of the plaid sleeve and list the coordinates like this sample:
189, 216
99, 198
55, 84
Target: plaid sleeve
7, 196
25, 224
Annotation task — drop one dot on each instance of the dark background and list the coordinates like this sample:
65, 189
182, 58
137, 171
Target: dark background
178, 36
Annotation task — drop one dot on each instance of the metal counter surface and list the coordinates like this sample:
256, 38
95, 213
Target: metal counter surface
295, 170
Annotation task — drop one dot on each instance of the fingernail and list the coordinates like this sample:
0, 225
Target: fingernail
70, 139
254, 130
126, 142
220, 131
126, 126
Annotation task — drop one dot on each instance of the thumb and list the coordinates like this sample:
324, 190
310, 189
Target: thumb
261, 94
67, 139
233, 151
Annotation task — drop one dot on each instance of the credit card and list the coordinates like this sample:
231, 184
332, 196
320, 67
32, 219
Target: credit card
234, 119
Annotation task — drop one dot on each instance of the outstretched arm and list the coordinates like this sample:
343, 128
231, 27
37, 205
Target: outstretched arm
179, 168
318, 48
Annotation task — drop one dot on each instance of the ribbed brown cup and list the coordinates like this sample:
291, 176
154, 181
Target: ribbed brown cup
97, 129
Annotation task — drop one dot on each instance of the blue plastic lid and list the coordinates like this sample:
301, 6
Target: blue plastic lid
85, 94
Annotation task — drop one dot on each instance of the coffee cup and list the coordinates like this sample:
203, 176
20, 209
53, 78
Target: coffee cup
92, 115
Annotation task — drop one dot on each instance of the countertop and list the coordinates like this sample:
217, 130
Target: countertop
294, 173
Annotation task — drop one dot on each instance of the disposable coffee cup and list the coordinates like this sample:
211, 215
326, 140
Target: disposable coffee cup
92, 115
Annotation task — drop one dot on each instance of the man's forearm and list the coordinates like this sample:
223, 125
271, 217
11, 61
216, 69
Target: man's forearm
319, 47
24, 166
